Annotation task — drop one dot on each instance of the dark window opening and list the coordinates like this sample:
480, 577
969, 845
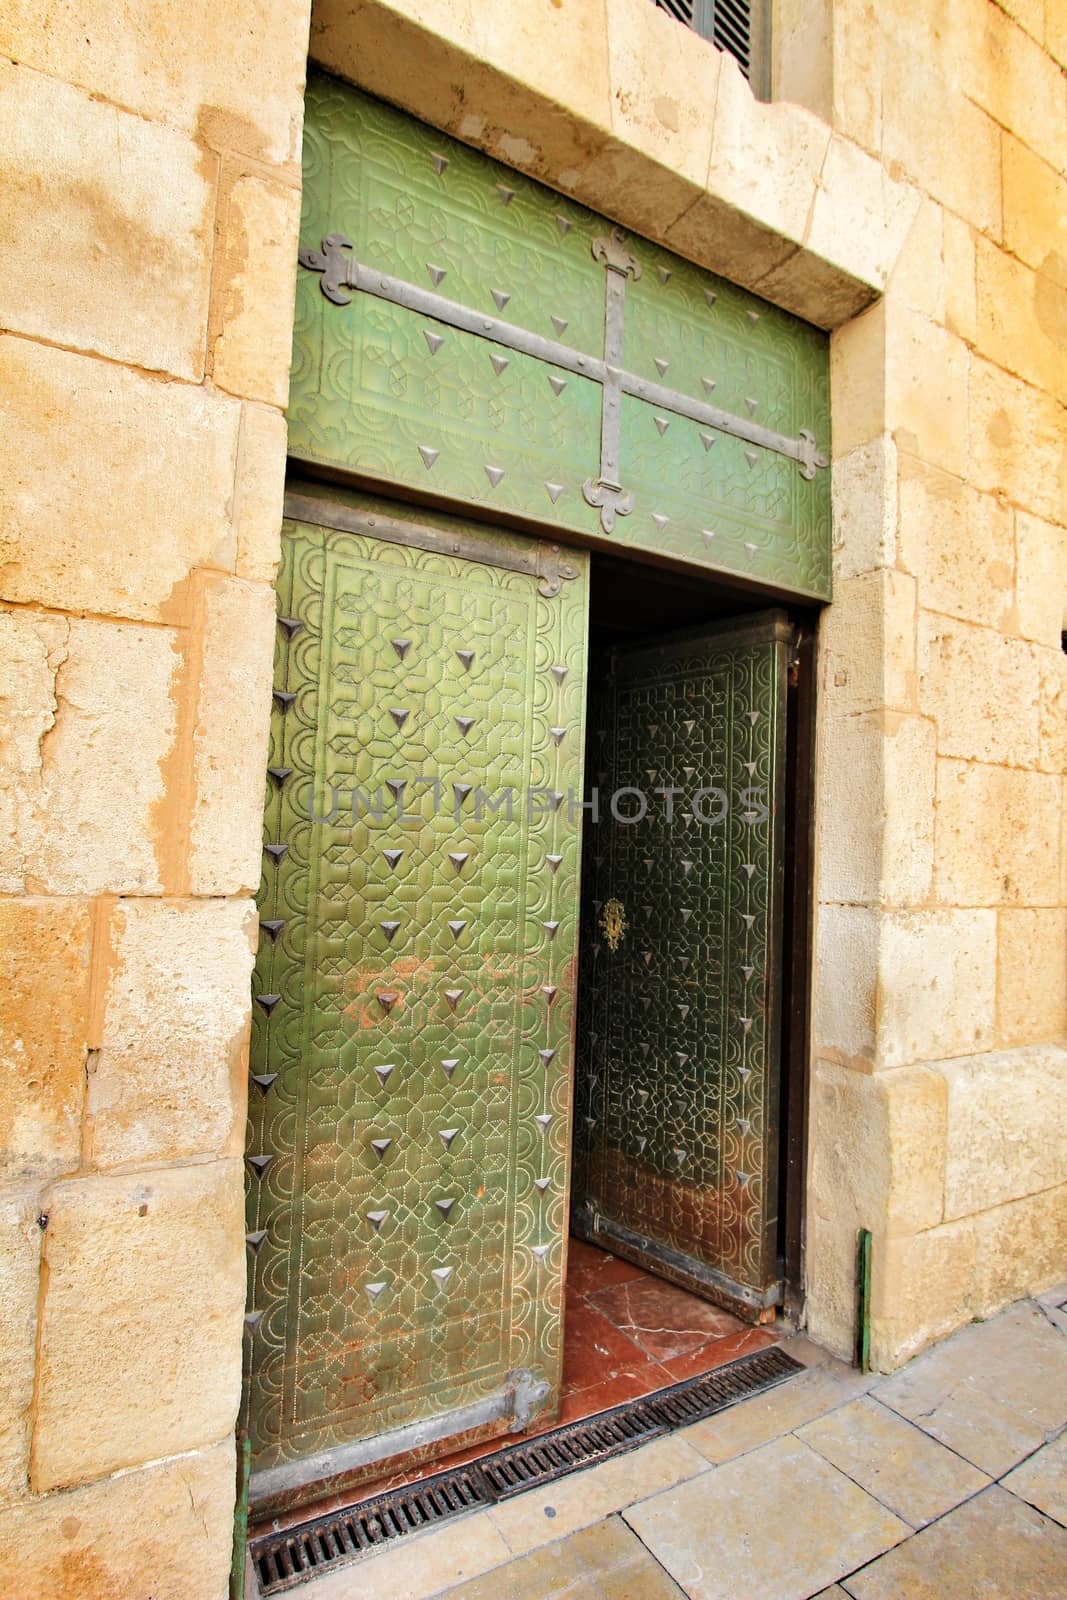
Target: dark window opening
736, 26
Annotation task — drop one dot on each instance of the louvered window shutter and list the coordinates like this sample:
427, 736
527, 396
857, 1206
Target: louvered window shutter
738, 26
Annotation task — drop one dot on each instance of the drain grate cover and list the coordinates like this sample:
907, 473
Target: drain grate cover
283, 1560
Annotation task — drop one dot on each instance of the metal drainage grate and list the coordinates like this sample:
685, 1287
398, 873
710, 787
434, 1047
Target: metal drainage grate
283, 1560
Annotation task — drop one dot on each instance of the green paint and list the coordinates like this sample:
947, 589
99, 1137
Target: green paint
863, 1299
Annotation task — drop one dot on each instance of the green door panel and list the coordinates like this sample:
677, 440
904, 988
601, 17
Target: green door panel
677, 1061
409, 1105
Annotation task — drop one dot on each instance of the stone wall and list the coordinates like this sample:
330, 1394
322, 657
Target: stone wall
916, 205
150, 207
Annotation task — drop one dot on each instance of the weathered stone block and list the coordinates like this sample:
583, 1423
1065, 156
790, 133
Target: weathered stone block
858, 381
868, 644
169, 1079
859, 215
864, 493
1015, 441
937, 985
663, 82
92, 820
923, 1287
918, 276
20, 1250
1007, 1127
165, 1533
961, 170
996, 835
961, 309
1040, 579
1035, 207
156, 1368
1021, 1248
89, 446
926, 389
31, 650
130, 205
981, 688
45, 949
876, 819
253, 286
1052, 711
958, 544
230, 740
239, 69
260, 491
846, 944
1009, 74
1022, 317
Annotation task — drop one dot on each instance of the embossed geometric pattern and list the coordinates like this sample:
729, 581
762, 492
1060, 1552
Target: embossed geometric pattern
409, 1110
676, 1093
387, 392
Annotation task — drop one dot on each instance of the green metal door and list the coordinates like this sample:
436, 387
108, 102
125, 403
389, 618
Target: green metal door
677, 1087
410, 1068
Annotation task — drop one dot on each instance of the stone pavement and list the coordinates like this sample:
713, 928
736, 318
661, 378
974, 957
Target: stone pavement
947, 1479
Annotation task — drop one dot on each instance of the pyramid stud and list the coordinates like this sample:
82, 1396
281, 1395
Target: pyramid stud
560, 325
456, 928
551, 928
506, 195
398, 715
380, 1146
267, 1002
541, 1184
563, 224
445, 1206
439, 162
748, 971
392, 856
557, 385
540, 1251
710, 296
662, 424
467, 658
461, 791
290, 626
457, 858
446, 1136
746, 1023
499, 363
436, 274
396, 787
401, 646
553, 863
550, 991
660, 520
273, 927
283, 698
557, 735
751, 405
661, 366
680, 1156
449, 1066
374, 1290
753, 717
279, 774
543, 1120
751, 457
500, 298
259, 1164
387, 1001
254, 1240
546, 1056
707, 440
559, 672
441, 1275
252, 1320
752, 549
384, 1073
494, 474
429, 455
753, 317
453, 996
263, 1081
664, 275
376, 1218
554, 490
434, 340
748, 868
464, 724
747, 918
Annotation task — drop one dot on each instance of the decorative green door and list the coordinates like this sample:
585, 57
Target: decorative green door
410, 1079
677, 1089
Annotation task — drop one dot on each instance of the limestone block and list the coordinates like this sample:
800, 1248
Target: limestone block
117, 485
230, 739
650, 60
562, 52
981, 688
958, 544
864, 497
848, 1174
169, 1079
996, 835
1020, 1249
858, 380
816, 290
241, 65
1056, 32
1007, 1126
1040, 579
129, 207
858, 53
867, 644
1022, 317
1009, 74
45, 948
1017, 441
155, 1370
876, 817
918, 276
937, 985
1035, 210
253, 287
923, 1287
860, 214
1052, 711
926, 389
31, 650
802, 55
846, 944
259, 492
20, 1250
101, 770
961, 308
164, 1533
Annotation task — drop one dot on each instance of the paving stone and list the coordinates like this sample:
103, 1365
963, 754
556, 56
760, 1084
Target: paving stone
991, 1548
545, 1515
419, 1566
607, 1562
780, 1523
755, 1422
1042, 1480
902, 1467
